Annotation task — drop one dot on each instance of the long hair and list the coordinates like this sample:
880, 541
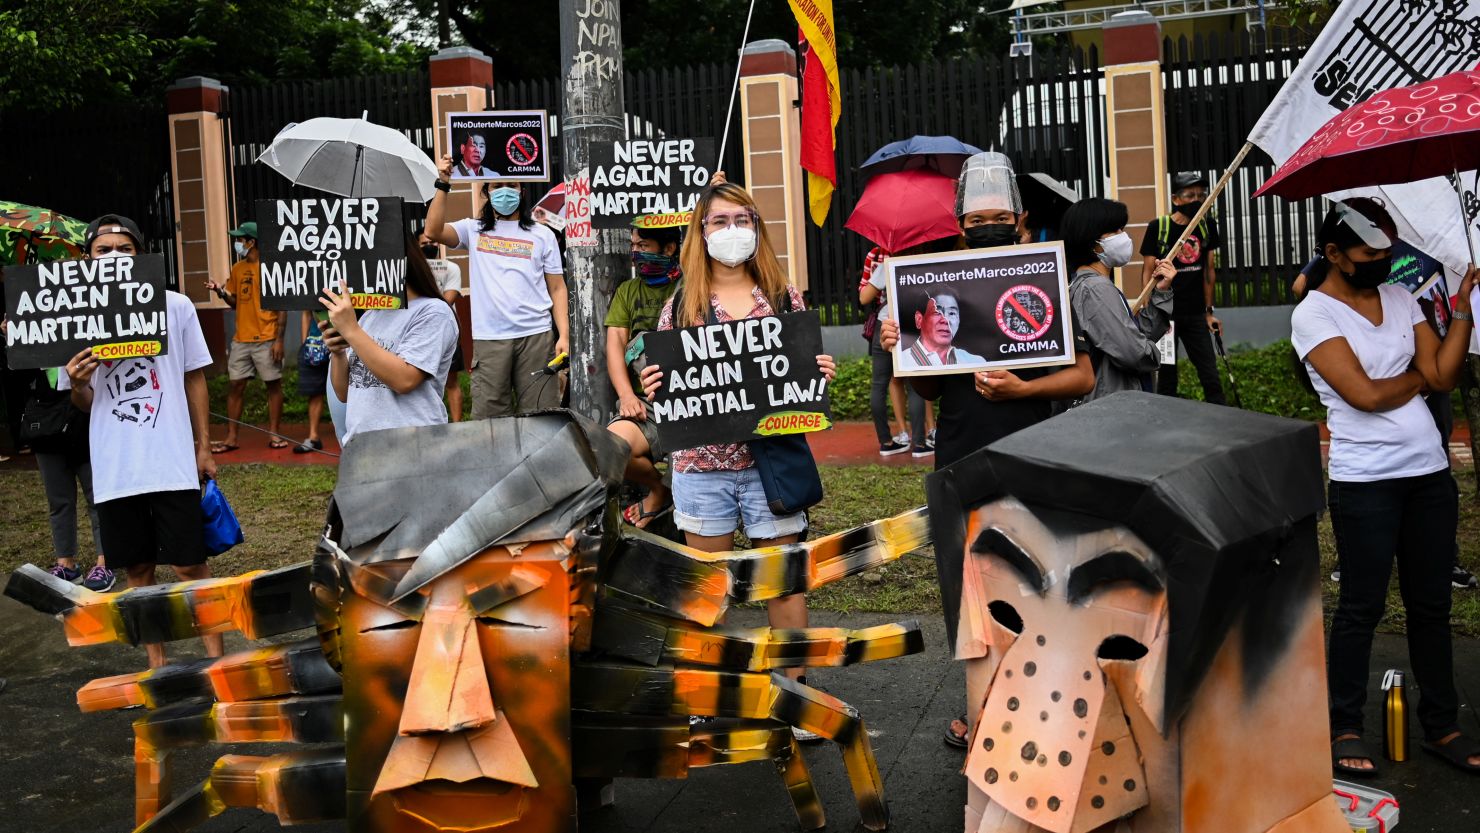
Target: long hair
763, 268
1083, 225
487, 217
419, 278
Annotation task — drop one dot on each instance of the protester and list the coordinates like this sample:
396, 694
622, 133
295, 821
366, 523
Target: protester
62, 457
149, 438
257, 347
1370, 354
449, 281
1122, 346
313, 379
918, 437
517, 283
1440, 403
1192, 290
731, 273
635, 309
976, 409
388, 365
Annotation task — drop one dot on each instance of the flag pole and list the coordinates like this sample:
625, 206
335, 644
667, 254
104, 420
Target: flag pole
1207, 206
734, 88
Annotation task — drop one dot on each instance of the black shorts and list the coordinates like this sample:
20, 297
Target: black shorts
312, 381
458, 365
153, 528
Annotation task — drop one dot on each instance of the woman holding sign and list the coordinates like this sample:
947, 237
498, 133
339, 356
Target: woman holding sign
388, 365
731, 273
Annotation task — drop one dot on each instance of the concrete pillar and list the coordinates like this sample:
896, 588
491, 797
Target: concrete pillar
1135, 123
201, 170
462, 81
771, 125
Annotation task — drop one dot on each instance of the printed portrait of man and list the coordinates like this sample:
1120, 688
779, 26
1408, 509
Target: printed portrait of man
936, 315
472, 152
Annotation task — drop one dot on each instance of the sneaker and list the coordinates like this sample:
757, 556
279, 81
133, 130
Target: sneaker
1462, 579
1336, 576
903, 438
99, 579
930, 438
892, 448
64, 573
921, 451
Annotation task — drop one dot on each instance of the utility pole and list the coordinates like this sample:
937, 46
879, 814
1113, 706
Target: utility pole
595, 260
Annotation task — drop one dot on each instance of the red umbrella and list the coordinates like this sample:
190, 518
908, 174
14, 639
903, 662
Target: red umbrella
906, 208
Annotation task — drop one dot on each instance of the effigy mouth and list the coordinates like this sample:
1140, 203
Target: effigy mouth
463, 806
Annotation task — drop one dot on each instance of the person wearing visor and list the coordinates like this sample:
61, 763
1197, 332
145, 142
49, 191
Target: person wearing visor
1370, 354
1122, 346
516, 286
634, 311
149, 438
1192, 288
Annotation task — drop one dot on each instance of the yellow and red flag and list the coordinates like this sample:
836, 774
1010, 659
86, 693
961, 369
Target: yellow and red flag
821, 102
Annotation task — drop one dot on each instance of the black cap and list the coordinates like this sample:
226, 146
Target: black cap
112, 224
1187, 179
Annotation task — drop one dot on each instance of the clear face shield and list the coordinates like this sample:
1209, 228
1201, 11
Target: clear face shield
1365, 229
987, 183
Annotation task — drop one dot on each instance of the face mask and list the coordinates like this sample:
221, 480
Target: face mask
1117, 250
654, 268
990, 235
431, 252
241, 248
731, 246
1368, 274
1190, 209
505, 200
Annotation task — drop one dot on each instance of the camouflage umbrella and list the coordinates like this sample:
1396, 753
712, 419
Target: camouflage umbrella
28, 234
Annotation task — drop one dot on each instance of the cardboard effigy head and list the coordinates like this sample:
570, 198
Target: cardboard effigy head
457, 570
1097, 565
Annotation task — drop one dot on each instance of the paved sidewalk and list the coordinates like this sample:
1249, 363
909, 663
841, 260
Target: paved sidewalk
65, 771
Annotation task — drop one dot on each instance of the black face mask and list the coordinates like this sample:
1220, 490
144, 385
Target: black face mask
431, 252
1368, 274
1190, 209
990, 235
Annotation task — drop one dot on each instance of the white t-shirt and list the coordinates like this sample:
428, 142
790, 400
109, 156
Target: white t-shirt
1402, 442
424, 336
140, 435
447, 274
508, 267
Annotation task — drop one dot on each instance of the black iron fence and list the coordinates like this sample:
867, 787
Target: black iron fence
101, 160
1216, 89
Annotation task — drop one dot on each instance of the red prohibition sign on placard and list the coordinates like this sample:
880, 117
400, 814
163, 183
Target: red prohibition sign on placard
1024, 312
522, 149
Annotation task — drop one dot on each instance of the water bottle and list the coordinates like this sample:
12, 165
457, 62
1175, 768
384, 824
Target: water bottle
1395, 717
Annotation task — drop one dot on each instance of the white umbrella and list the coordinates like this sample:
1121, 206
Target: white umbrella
351, 157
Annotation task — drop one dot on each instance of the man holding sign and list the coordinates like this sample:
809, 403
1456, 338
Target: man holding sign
150, 441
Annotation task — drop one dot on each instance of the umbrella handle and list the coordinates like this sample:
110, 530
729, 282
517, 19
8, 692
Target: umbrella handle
1464, 217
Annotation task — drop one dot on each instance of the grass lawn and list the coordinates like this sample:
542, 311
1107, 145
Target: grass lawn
282, 510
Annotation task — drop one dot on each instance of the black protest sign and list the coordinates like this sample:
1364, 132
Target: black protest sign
115, 305
309, 244
644, 177
982, 309
500, 144
740, 380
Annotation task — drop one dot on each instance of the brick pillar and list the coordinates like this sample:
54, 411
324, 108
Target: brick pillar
200, 168
462, 81
771, 125
1135, 125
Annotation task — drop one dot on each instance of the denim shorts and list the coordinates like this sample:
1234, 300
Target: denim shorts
716, 502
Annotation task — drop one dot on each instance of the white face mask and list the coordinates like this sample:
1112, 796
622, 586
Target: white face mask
731, 246
1117, 250
241, 248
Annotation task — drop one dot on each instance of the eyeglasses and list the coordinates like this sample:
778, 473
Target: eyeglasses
720, 222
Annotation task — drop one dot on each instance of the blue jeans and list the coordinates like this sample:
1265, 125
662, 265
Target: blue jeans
1411, 520
712, 503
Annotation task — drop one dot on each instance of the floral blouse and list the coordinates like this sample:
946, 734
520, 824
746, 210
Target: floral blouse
730, 456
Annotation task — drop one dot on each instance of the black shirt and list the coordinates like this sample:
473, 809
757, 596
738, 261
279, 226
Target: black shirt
1188, 300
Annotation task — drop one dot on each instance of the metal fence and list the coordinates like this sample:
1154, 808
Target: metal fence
1216, 89
112, 159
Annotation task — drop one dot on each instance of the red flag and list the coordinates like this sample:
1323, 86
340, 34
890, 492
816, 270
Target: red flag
818, 120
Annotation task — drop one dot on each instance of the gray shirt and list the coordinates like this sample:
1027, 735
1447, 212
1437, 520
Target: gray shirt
424, 335
1122, 347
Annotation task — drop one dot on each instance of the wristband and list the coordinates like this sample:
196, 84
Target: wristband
1461, 315
443, 186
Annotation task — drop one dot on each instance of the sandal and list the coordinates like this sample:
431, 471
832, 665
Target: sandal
223, 448
308, 447
276, 443
1457, 752
639, 517
1352, 747
954, 738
